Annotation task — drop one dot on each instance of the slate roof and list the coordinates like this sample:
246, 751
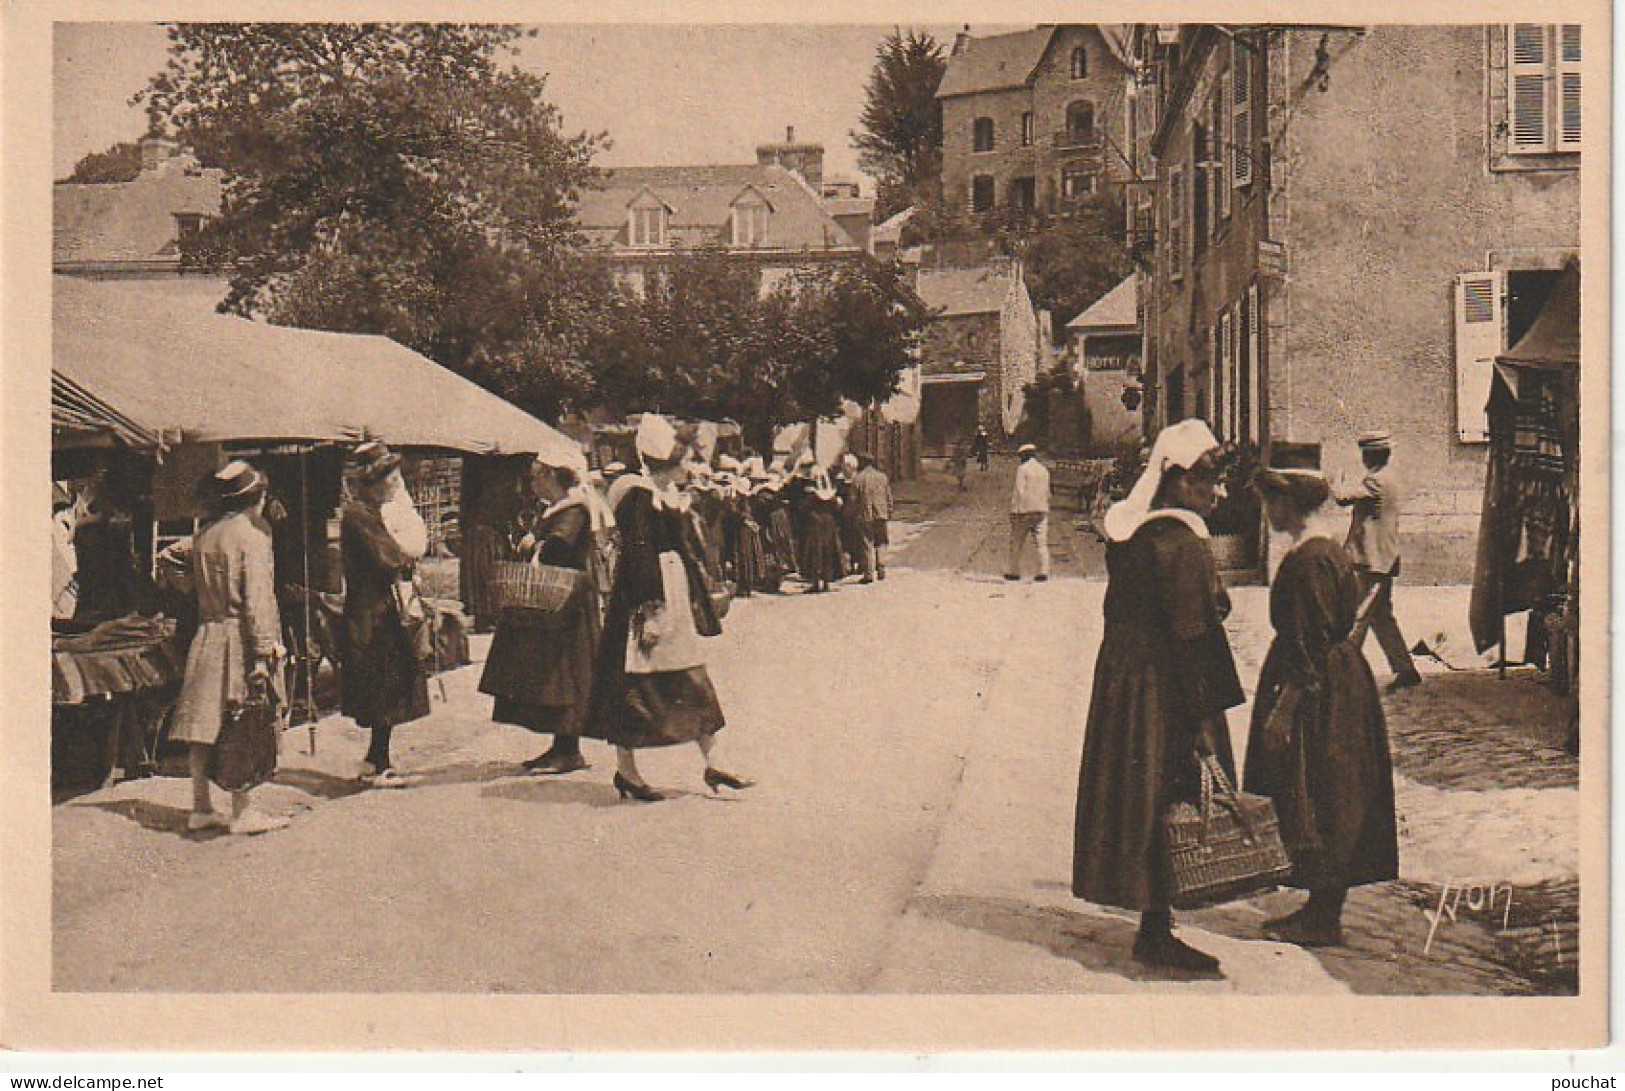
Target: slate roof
1116, 308
131, 222
979, 290
701, 199
996, 63
1002, 62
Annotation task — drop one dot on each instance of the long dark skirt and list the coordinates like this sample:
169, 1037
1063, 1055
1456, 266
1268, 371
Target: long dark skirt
1138, 760
540, 667
1333, 784
780, 539
754, 569
820, 552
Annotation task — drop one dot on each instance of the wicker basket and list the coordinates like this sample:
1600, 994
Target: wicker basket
1227, 848
534, 586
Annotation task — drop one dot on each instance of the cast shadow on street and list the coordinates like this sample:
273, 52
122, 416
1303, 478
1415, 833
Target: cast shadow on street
1097, 943
149, 815
322, 785
578, 793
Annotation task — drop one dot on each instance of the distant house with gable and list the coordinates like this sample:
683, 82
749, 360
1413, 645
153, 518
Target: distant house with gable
772, 214
980, 350
1104, 345
134, 228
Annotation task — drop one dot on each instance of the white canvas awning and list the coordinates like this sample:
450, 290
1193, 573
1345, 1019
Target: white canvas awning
159, 354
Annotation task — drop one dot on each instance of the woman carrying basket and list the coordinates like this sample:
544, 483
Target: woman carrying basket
1319, 742
1163, 680
540, 666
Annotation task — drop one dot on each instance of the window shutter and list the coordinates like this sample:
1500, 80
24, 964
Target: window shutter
1227, 371
1529, 73
1479, 326
1223, 143
1241, 115
1568, 87
1255, 415
1176, 223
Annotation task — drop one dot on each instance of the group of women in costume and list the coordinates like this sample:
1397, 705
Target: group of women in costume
1318, 745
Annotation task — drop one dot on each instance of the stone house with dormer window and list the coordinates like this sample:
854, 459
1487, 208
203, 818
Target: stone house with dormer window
772, 214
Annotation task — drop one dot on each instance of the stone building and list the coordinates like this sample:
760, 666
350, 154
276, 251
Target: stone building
1104, 345
978, 353
1033, 119
1346, 225
771, 214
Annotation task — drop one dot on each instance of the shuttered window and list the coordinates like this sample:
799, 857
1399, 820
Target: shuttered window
1568, 87
1176, 223
1241, 114
1543, 74
1227, 376
1479, 339
1223, 139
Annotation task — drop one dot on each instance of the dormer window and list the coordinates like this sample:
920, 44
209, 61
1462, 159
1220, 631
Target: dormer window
751, 213
647, 220
188, 224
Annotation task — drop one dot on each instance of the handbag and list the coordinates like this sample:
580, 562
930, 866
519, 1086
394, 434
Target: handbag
1227, 847
244, 755
530, 586
416, 621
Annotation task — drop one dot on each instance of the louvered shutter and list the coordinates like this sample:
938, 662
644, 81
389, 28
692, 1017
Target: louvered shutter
1227, 370
1223, 142
1479, 325
1176, 223
1528, 75
1568, 87
1241, 114
1255, 412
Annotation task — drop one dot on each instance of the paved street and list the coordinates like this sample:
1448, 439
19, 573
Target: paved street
916, 744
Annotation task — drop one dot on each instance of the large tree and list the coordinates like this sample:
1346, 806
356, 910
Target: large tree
900, 143
120, 163
403, 179
1070, 260
700, 338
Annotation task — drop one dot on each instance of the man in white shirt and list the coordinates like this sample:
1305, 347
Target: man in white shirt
1373, 546
1029, 513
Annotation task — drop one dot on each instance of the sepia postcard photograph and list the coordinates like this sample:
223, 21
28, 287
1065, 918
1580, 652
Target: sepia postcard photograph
692, 530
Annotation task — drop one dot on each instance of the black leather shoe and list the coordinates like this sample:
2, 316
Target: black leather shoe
716, 778
1164, 951
1301, 929
640, 792
553, 765
1404, 681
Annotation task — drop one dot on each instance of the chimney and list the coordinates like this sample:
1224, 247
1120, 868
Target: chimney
806, 160
156, 150
961, 42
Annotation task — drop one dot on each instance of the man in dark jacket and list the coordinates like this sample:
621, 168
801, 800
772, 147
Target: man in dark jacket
871, 495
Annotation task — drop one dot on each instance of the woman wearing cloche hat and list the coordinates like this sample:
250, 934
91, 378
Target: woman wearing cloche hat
238, 638
382, 538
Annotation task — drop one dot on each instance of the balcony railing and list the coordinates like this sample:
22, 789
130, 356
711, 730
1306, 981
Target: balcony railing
1083, 142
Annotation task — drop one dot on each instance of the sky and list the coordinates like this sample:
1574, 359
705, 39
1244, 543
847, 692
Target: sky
666, 94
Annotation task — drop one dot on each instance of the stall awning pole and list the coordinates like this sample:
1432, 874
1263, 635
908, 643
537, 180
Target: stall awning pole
304, 554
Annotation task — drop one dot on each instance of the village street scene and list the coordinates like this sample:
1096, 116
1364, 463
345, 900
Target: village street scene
1078, 509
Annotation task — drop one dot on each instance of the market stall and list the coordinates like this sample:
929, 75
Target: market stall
148, 369
1529, 536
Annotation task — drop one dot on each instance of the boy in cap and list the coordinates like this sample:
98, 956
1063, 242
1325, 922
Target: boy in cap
1373, 544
